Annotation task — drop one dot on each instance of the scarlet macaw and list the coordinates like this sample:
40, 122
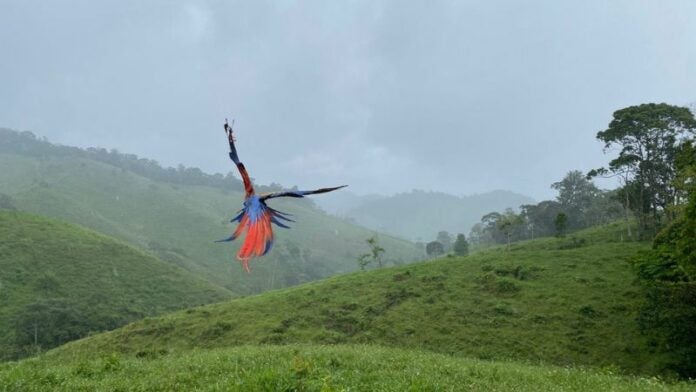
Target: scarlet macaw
256, 217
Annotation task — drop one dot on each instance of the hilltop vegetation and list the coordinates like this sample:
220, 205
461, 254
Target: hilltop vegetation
176, 214
310, 368
59, 282
546, 300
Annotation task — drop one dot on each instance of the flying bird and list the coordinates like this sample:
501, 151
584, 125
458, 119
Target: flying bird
256, 217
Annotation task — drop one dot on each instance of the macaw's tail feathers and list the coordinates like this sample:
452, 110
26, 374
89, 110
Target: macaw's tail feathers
243, 221
245, 264
259, 238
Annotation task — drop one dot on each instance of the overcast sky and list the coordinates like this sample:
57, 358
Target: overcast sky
387, 96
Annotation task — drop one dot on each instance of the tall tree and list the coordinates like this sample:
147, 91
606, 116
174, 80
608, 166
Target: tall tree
511, 225
373, 256
445, 238
502, 228
461, 245
49, 323
561, 223
434, 248
540, 217
479, 235
648, 136
490, 227
576, 195
605, 207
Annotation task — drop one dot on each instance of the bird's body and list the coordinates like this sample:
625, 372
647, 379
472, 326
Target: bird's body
256, 217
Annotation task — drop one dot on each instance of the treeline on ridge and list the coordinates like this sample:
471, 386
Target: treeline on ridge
26, 143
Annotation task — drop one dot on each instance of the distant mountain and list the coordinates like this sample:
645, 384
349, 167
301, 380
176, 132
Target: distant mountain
420, 215
341, 203
59, 282
176, 214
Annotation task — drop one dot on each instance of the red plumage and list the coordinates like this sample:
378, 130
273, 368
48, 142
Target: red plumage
258, 240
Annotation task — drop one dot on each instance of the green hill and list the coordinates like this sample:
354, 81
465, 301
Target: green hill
59, 282
310, 368
176, 214
565, 302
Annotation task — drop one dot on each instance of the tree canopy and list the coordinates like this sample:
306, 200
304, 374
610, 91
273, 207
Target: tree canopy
648, 137
461, 245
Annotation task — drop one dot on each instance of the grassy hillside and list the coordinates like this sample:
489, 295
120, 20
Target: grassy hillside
59, 282
177, 214
420, 215
566, 302
310, 368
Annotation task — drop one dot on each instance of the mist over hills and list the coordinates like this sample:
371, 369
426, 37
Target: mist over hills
176, 214
343, 202
433, 211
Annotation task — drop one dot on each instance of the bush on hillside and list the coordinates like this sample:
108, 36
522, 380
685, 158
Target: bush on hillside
49, 323
7, 203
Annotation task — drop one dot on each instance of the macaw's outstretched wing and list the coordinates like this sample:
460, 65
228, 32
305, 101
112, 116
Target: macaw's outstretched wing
248, 187
299, 193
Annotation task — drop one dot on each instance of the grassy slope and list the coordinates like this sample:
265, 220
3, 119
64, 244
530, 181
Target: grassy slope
534, 302
107, 281
179, 223
310, 368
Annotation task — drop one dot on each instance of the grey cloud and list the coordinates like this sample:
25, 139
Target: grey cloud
388, 96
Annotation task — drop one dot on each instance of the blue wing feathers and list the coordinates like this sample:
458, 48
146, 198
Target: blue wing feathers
238, 218
278, 223
269, 245
283, 218
273, 210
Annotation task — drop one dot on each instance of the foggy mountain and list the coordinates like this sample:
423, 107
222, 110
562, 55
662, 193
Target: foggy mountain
342, 203
433, 211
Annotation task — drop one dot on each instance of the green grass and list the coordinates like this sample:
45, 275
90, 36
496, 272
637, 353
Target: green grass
534, 302
309, 368
101, 281
178, 223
